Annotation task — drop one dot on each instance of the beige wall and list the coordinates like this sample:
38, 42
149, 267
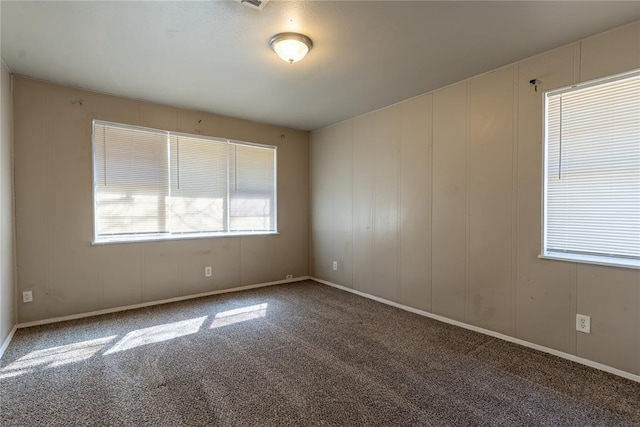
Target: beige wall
435, 203
54, 209
7, 260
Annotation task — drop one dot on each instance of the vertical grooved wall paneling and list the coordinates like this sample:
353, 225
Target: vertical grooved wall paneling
415, 202
543, 303
449, 201
385, 141
331, 219
491, 145
363, 198
446, 205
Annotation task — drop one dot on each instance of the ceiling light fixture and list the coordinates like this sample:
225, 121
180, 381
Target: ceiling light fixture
291, 47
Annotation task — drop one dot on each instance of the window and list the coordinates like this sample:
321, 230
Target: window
150, 184
592, 172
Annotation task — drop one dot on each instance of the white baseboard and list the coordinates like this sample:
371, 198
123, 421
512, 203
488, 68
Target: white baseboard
7, 340
541, 348
152, 303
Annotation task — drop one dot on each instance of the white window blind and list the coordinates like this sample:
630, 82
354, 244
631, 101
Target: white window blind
592, 172
252, 191
199, 186
131, 181
151, 184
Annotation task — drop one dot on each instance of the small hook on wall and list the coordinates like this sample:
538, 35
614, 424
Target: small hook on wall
534, 83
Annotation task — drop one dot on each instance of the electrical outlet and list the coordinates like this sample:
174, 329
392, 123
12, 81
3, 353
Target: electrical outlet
335, 265
583, 323
27, 296
289, 276
207, 271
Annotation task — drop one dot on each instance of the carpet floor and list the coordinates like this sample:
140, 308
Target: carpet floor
297, 354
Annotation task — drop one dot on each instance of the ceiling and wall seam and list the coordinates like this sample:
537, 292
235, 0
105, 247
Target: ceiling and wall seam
366, 56
578, 42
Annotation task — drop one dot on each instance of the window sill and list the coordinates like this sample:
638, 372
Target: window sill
591, 259
143, 239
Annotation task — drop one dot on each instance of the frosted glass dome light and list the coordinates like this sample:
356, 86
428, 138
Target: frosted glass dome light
291, 47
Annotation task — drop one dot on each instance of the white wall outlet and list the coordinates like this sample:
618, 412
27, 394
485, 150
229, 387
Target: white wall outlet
207, 271
335, 265
27, 296
289, 276
583, 323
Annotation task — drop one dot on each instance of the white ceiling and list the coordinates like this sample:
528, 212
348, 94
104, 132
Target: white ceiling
214, 55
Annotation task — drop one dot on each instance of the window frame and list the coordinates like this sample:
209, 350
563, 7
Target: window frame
132, 238
611, 261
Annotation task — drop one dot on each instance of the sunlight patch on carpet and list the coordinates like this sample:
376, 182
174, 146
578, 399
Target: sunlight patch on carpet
238, 315
55, 356
156, 334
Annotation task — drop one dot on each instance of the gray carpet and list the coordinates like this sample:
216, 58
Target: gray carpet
297, 354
